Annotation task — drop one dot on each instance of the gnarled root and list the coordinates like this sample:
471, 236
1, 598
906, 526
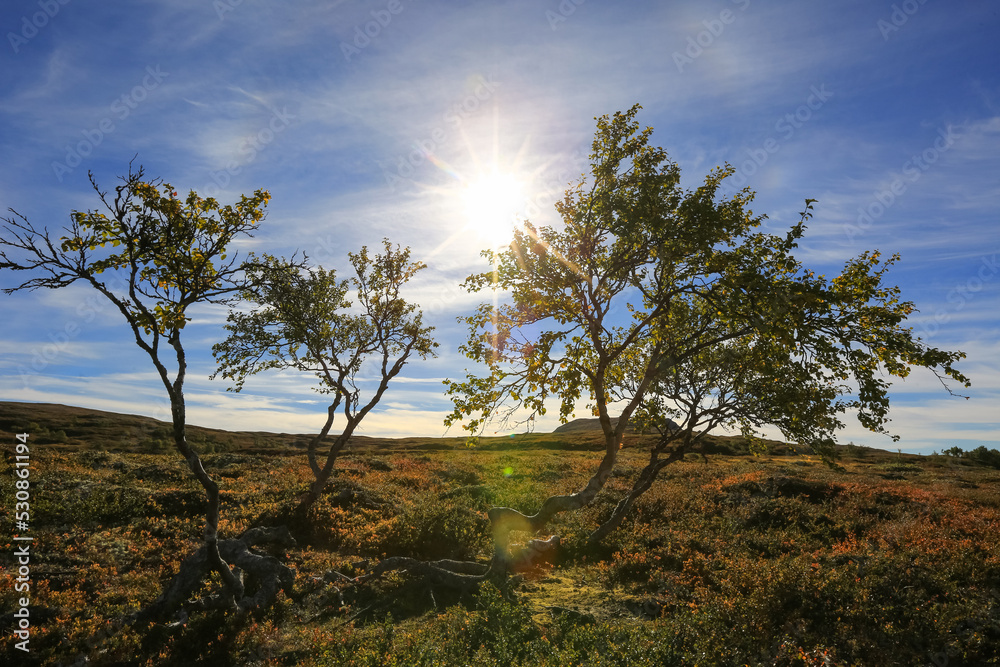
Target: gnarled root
457, 574
257, 572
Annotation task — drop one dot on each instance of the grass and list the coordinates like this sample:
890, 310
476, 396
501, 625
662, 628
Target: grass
777, 560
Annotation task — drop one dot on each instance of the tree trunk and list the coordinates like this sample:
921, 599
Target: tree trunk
504, 520
233, 585
641, 485
316, 441
322, 475
321, 478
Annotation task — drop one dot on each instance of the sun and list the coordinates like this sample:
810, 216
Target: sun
491, 204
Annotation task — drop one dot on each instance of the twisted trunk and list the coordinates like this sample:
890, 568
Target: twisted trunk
504, 520
322, 475
266, 574
641, 485
232, 584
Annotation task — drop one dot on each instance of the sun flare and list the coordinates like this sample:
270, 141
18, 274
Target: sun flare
491, 204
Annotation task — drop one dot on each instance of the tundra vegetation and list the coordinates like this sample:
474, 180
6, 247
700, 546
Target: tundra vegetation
664, 308
735, 559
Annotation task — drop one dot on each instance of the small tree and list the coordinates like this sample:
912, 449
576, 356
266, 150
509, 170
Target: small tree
152, 255
303, 320
649, 296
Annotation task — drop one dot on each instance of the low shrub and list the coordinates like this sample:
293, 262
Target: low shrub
432, 528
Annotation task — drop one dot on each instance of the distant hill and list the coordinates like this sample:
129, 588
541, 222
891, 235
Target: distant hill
591, 425
70, 428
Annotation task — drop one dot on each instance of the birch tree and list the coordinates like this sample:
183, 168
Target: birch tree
635, 299
304, 320
153, 255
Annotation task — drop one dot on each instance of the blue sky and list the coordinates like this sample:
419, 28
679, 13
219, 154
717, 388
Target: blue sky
887, 113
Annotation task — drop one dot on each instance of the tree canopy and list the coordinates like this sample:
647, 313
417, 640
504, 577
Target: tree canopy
149, 252
644, 277
655, 300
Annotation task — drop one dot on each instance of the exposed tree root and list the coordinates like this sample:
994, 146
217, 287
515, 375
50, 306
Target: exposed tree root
461, 576
263, 574
456, 574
